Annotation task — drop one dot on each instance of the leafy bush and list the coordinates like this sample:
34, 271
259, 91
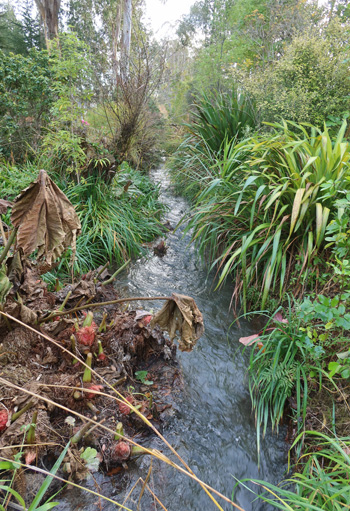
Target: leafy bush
309, 82
274, 208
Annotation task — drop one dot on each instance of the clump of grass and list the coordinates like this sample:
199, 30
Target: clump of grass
219, 122
14, 179
257, 214
322, 482
116, 219
278, 368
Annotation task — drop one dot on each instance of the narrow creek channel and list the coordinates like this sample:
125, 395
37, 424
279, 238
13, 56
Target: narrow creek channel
211, 424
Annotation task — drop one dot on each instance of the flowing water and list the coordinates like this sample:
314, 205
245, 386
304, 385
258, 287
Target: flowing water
211, 425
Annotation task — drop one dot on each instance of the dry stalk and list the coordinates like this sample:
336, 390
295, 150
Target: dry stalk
187, 471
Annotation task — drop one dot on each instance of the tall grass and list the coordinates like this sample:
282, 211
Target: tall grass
266, 207
322, 484
116, 219
115, 222
219, 121
278, 367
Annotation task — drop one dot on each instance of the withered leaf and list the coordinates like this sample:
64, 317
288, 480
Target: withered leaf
251, 339
181, 314
45, 218
5, 284
4, 204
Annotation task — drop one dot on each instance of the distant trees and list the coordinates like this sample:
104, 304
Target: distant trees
291, 57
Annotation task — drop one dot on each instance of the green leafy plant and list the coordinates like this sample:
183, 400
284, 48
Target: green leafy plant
115, 221
142, 377
277, 203
320, 484
276, 368
209, 150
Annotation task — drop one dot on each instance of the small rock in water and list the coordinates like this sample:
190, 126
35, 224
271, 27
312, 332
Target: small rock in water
161, 249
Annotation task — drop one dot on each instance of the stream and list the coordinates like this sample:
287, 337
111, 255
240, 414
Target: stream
211, 424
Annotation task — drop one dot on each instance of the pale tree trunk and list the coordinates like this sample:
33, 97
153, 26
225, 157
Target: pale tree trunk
115, 39
48, 10
126, 41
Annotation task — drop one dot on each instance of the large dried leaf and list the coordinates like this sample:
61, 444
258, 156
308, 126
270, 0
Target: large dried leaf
4, 204
45, 218
181, 314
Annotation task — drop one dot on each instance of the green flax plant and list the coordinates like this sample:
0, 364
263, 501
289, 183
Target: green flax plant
321, 482
272, 209
219, 116
219, 121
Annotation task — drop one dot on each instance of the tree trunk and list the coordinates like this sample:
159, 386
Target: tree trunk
115, 39
126, 36
48, 10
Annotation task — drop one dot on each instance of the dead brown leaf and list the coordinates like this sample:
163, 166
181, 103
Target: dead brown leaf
4, 205
181, 314
45, 218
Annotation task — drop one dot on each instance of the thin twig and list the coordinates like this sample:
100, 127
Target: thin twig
102, 304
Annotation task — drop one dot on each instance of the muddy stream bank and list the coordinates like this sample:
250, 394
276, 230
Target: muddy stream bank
210, 423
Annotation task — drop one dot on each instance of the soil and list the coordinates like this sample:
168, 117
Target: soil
45, 375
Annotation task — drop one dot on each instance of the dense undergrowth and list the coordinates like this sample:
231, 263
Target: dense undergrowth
116, 218
270, 212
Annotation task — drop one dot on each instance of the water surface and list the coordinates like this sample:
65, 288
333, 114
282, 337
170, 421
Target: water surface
211, 424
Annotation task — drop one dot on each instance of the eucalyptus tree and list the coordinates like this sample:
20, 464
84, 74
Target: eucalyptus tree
49, 10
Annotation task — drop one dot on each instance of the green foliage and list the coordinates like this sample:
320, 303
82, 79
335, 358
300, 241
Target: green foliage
338, 229
276, 369
208, 150
70, 59
142, 377
331, 311
116, 219
14, 179
219, 116
26, 97
11, 31
321, 485
290, 351
275, 205
308, 83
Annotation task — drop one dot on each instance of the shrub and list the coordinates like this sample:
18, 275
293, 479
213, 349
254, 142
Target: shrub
310, 81
26, 97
